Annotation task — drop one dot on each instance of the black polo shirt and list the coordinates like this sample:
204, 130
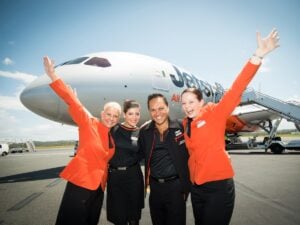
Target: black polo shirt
161, 164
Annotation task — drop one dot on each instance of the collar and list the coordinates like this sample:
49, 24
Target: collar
173, 124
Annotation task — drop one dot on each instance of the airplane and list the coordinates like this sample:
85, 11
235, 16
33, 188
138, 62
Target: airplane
115, 76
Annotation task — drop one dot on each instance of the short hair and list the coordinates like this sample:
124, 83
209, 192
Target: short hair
128, 104
157, 95
194, 91
115, 105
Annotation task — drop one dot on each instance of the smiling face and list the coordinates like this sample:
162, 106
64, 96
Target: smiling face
132, 117
191, 105
159, 111
111, 114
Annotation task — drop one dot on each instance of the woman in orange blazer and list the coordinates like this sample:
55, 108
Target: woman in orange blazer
87, 171
211, 173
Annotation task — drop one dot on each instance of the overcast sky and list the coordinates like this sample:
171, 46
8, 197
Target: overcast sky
211, 39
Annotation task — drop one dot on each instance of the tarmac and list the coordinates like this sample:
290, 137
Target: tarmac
267, 188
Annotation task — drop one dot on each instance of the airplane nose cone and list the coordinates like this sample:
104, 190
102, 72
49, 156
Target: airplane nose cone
40, 99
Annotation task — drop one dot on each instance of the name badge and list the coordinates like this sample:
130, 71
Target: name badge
201, 123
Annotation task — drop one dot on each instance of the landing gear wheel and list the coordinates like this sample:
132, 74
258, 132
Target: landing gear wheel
276, 148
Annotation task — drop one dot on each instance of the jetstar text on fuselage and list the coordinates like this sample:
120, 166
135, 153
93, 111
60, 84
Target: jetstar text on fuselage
182, 79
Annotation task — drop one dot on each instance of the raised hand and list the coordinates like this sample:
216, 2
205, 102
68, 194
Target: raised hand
267, 44
49, 68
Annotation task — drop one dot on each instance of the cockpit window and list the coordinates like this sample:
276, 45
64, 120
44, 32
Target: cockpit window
74, 61
96, 61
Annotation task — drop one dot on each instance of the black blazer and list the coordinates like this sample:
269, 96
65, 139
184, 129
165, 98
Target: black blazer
176, 147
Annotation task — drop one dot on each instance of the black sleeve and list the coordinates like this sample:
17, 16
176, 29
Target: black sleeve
141, 147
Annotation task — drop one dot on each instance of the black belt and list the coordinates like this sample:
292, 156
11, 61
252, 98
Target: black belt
113, 168
164, 180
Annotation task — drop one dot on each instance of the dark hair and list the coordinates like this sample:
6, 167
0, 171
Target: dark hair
157, 95
128, 104
194, 91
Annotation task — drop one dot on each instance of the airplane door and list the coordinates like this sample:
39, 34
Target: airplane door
160, 81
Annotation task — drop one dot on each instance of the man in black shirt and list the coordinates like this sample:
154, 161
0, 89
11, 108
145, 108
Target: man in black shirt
166, 169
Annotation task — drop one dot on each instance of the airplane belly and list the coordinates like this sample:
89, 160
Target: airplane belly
234, 124
248, 118
257, 116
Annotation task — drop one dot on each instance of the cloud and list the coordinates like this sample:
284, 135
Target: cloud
17, 123
294, 100
50, 128
11, 103
6, 119
14, 128
24, 77
7, 61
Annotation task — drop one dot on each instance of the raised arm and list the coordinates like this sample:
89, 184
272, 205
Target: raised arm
264, 46
76, 110
49, 69
233, 96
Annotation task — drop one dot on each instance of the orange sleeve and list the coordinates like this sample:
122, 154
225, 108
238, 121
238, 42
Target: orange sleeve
233, 95
76, 110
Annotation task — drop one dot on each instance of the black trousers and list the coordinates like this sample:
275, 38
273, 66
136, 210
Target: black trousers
125, 195
80, 206
167, 203
213, 202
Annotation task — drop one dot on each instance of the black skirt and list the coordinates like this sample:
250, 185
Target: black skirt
125, 194
80, 206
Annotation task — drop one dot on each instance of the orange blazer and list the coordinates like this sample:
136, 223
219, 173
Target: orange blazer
88, 169
208, 159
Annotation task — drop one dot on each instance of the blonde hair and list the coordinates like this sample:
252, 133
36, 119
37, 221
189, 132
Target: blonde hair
113, 105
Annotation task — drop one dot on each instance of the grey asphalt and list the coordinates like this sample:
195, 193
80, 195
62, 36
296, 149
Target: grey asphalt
267, 188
